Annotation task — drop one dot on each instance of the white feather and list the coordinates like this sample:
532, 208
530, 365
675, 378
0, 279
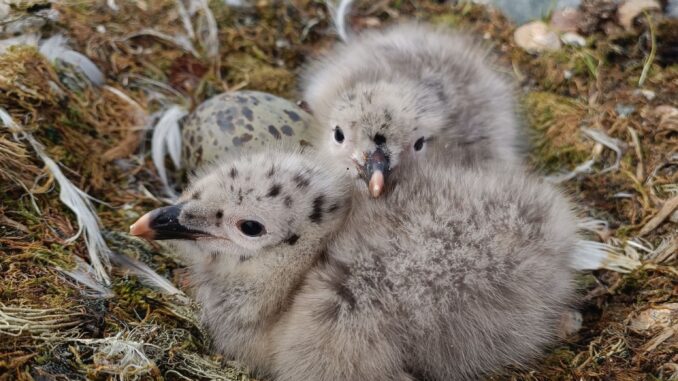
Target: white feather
585, 167
85, 275
339, 14
167, 139
609, 142
592, 225
56, 48
185, 19
208, 33
180, 41
147, 276
590, 255
76, 200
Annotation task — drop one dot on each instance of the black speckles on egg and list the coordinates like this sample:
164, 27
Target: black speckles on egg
244, 138
225, 119
274, 131
249, 127
236, 141
316, 215
247, 113
292, 115
287, 130
240, 99
274, 190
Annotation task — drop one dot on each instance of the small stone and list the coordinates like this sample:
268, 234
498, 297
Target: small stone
624, 110
565, 20
631, 9
648, 94
536, 37
573, 39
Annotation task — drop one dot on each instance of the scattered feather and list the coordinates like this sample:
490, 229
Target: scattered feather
339, 13
180, 41
85, 275
185, 19
167, 139
585, 167
76, 200
56, 48
609, 142
593, 225
590, 255
208, 34
147, 276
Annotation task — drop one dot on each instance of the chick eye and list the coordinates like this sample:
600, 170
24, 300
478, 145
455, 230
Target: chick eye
419, 144
251, 228
338, 135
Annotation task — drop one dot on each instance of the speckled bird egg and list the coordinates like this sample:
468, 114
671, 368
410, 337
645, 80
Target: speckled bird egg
241, 121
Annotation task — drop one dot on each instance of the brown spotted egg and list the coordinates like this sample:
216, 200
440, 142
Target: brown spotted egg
242, 121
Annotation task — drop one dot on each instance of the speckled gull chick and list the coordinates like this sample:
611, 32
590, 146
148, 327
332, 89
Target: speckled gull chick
391, 95
450, 276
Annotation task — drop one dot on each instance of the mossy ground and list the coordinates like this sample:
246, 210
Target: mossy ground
58, 334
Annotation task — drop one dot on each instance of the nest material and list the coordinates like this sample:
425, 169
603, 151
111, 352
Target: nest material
49, 330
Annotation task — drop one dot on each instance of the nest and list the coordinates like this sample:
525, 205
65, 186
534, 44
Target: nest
610, 141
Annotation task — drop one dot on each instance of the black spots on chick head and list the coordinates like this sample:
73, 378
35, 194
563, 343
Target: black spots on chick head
233, 173
271, 171
301, 180
195, 195
291, 239
274, 190
288, 201
316, 215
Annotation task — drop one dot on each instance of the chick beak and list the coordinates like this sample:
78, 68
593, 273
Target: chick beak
376, 169
163, 223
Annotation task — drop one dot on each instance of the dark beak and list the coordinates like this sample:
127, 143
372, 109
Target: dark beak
163, 223
377, 169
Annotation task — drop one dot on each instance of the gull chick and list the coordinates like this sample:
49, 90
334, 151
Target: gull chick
452, 275
386, 96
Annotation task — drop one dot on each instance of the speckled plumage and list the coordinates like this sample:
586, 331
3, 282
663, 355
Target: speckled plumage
452, 275
393, 87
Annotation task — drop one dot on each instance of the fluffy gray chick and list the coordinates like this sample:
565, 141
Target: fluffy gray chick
450, 276
251, 230
385, 96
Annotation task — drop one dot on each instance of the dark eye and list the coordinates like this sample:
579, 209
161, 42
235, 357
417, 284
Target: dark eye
338, 134
379, 139
251, 228
419, 144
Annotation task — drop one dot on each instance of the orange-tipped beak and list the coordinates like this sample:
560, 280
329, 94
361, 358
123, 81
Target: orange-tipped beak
376, 171
376, 184
142, 228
